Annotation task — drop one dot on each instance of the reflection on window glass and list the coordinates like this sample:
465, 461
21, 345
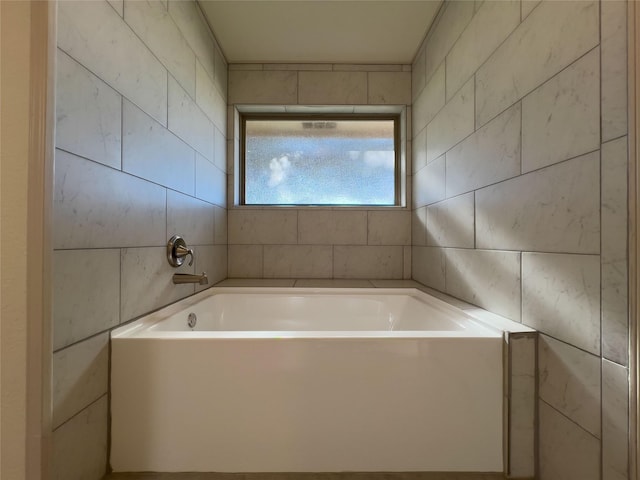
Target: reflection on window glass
319, 162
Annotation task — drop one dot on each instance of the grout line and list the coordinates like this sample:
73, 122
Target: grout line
540, 399
82, 410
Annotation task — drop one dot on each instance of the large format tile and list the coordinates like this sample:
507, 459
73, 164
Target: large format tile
147, 281
429, 183
522, 405
418, 71
80, 377
190, 218
273, 87
453, 123
493, 22
85, 302
368, 262
528, 58
332, 88
489, 279
263, 226
613, 62
419, 226
221, 76
561, 119
569, 381
429, 102
489, 155
220, 227
220, 150
566, 451
451, 223
152, 23
561, 297
419, 151
449, 26
246, 261
88, 114
615, 324
428, 266
332, 227
555, 209
152, 152
188, 122
80, 445
98, 207
389, 227
196, 31
389, 88
212, 260
211, 183
209, 99
298, 261
95, 35
615, 426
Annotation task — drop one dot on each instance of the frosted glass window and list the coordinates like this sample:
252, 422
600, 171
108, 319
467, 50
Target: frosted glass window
315, 161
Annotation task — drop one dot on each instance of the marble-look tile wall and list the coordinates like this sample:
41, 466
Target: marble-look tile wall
520, 202
140, 156
319, 243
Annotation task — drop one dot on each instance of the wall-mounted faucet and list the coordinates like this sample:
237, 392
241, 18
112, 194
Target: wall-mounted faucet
177, 252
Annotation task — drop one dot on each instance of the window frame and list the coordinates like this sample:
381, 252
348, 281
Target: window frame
328, 116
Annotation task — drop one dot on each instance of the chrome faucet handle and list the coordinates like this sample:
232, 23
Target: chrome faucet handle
177, 251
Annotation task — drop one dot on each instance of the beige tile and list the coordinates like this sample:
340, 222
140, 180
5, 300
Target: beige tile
419, 226
569, 381
449, 26
152, 152
528, 6
80, 445
553, 36
311, 67
419, 151
430, 101
489, 155
493, 22
511, 215
428, 266
209, 99
220, 226
147, 281
522, 405
613, 60
88, 114
276, 88
98, 207
333, 283
565, 450
332, 227
298, 261
406, 267
489, 279
211, 183
245, 66
195, 29
80, 377
615, 327
452, 124
118, 6
364, 67
263, 226
615, 426
190, 218
429, 183
94, 34
84, 303
368, 262
389, 88
246, 261
561, 297
389, 227
221, 70
257, 282
188, 122
561, 119
152, 23
450, 223
418, 72
220, 151
332, 88
395, 283
211, 259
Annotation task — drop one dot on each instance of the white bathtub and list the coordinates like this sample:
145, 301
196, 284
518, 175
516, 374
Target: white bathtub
307, 380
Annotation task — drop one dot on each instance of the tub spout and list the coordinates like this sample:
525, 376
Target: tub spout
180, 278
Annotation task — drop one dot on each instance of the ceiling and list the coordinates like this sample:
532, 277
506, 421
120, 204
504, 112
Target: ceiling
320, 31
